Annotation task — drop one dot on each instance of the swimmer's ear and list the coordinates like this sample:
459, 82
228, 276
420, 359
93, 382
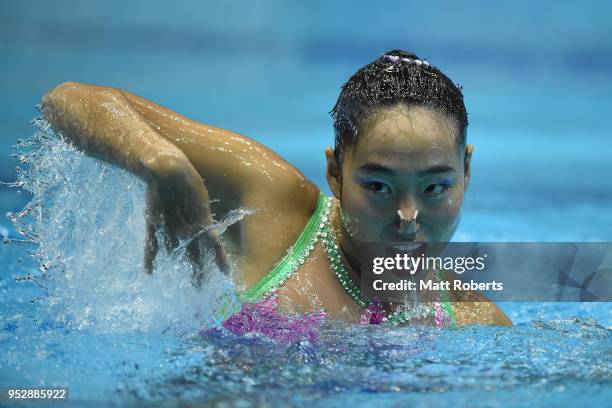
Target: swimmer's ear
469, 149
333, 172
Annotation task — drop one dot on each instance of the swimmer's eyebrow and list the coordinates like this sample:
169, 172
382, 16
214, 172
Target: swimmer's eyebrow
375, 167
442, 168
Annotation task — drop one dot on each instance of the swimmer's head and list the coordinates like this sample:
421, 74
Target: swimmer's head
397, 77
400, 148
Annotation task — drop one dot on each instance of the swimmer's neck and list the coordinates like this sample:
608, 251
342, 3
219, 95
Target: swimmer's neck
350, 252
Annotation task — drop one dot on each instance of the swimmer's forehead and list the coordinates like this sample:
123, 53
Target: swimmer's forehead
410, 127
407, 140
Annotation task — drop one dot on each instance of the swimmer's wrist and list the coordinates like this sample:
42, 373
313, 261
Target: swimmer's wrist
166, 164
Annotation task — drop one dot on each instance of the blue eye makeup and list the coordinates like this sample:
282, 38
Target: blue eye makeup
375, 187
439, 188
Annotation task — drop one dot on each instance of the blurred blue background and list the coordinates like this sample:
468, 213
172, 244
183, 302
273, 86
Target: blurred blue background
536, 77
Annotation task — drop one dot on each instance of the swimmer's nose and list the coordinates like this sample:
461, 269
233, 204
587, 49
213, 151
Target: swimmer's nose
407, 225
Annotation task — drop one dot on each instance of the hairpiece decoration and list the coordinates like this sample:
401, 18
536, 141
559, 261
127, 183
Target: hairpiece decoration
396, 58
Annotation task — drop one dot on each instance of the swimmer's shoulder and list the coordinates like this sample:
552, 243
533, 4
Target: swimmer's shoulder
471, 307
232, 165
239, 171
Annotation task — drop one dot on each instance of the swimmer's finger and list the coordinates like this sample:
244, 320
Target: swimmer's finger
195, 252
221, 258
152, 220
151, 247
158, 219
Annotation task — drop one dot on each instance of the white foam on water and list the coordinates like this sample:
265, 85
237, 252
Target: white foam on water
87, 220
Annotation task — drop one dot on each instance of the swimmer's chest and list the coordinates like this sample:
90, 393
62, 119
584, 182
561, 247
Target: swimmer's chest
314, 286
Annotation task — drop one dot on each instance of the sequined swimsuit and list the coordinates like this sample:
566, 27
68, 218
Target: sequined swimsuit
296, 256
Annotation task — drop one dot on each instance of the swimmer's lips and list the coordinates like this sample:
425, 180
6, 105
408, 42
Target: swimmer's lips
408, 246
412, 249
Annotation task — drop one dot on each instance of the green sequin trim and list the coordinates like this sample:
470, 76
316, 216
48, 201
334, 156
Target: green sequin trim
330, 245
448, 307
318, 226
295, 257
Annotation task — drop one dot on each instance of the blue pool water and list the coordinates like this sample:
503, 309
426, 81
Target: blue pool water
537, 89
88, 318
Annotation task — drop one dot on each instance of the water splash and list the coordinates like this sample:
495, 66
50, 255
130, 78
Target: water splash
86, 222
546, 362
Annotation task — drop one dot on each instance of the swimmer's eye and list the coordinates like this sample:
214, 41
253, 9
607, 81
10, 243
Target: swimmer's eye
438, 188
377, 188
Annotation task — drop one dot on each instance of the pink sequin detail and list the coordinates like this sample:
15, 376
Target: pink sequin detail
439, 315
263, 317
373, 314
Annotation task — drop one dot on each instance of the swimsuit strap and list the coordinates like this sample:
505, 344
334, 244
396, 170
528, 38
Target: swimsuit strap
447, 304
295, 257
448, 308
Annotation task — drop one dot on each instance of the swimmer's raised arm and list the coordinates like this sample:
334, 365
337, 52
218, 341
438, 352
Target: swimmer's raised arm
103, 123
229, 161
153, 141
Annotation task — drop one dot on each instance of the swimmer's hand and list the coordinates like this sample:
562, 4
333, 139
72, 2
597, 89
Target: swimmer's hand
178, 203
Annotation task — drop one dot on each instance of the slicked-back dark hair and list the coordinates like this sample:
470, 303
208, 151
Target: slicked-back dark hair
396, 77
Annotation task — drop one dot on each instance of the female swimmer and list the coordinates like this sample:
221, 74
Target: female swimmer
398, 172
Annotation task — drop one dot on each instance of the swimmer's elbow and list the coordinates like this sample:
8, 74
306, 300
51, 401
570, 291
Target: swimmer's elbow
59, 100
58, 96
54, 101
58, 90
74, 109
64, 86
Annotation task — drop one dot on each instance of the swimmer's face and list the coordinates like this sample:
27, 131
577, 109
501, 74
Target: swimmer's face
404, 159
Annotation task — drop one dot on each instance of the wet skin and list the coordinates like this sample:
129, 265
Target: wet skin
187, 163
406, 159
403, 180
